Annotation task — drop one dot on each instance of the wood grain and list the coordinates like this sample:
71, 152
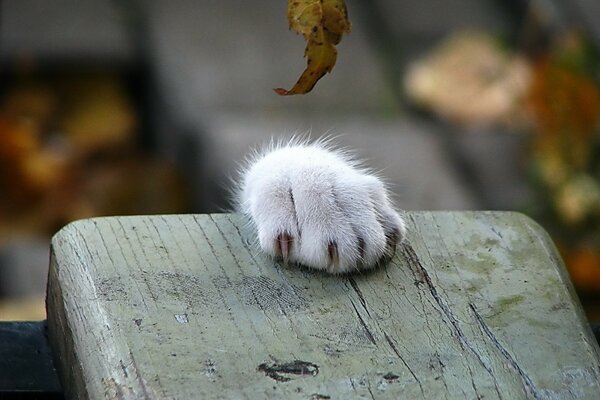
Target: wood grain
473, 305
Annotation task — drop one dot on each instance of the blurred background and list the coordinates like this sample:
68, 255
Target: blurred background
146, 106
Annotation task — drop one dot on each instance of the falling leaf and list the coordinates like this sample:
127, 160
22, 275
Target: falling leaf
322, 23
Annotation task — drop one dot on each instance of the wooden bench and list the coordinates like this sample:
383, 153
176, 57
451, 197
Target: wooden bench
474, 305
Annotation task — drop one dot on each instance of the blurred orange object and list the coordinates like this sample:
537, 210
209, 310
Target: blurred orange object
584, 266
565, 104
27, 170
68, 151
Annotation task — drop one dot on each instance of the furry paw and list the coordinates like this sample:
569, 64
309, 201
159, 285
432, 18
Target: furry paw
314, 206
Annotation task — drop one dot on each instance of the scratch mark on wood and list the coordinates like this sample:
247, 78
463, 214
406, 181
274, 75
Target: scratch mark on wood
499, 234
369, 389
245, 240
360, 295
364, 325
225, 241
123, 368
444, 309
528, 385
395, 349
147, 392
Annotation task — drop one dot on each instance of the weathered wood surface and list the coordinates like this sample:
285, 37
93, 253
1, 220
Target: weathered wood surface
474, 305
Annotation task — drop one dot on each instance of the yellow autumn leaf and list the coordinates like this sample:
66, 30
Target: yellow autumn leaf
302, 15
322, 23
335, 20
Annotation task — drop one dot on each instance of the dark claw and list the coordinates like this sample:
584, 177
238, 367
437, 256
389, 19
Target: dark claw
283, 246
392, 239
334, 258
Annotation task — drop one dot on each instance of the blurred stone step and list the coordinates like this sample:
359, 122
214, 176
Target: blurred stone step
407, 152
23, 267
64, 30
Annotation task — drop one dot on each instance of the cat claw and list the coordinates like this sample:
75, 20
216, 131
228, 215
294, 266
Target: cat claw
283, 246
334, 257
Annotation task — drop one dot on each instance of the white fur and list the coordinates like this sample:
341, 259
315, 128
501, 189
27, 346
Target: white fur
330, 209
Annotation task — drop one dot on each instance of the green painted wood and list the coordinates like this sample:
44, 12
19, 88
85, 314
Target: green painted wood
474, 305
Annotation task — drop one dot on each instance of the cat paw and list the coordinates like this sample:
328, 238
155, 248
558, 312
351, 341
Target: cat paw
314, 206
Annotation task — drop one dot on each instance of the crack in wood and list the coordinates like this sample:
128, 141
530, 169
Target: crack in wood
363, 302
393, 346
370, 391
528, 384
147, 392
364, 325
445, 311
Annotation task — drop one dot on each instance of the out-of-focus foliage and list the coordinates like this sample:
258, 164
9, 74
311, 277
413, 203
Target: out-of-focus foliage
322, 23
554, 97
68, 151
564, 100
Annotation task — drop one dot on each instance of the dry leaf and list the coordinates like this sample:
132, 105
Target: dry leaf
322, 23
